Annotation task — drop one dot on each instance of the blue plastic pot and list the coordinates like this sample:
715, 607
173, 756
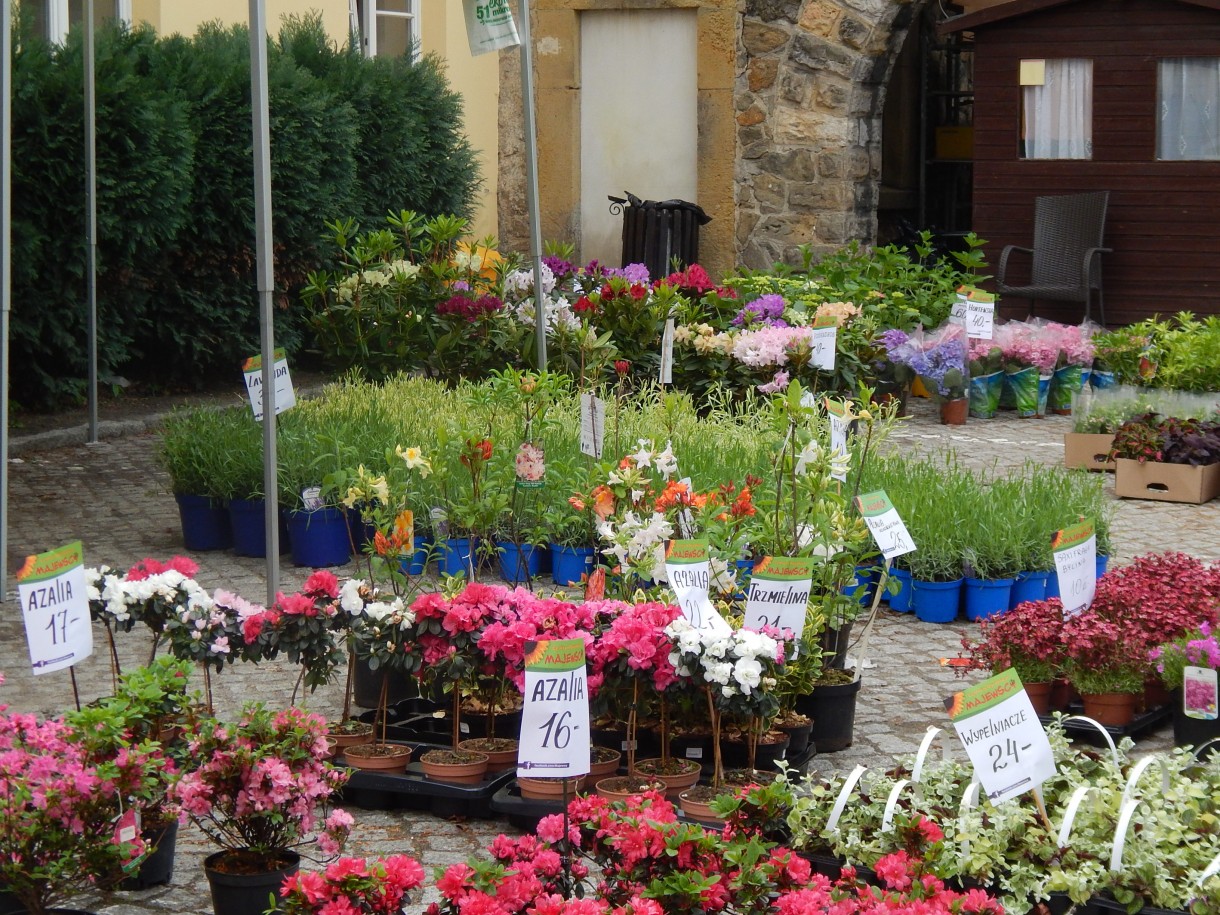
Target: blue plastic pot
570, 563
864, 585
205, 523
1052, 584
1028, 586
518, 564
901, 601
248, 523
319, 538
1103, 563
456, 557
987, 597
361, 533
418, 563
936, 601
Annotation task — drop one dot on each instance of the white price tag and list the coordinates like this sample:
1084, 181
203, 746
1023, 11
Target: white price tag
311, 498
888, 529
980, 320
1075, 552
959, 310
555, 720
688, 567
285, 396
51, 589
823, 340
592, 425
1005, 741
836, 412
667, 353
778, 595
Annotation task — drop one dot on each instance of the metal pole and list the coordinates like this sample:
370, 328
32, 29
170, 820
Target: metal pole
264, 275
531, 178
6, 212
91, 215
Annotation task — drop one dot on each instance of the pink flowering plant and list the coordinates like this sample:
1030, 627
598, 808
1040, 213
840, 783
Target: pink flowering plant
1028, 639
60, 806
262, 785
1199, 648
352, 886
306, 626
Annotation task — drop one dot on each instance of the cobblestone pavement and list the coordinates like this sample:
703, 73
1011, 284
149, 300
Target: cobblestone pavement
113, 497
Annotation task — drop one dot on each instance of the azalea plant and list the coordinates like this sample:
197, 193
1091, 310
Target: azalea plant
352, 886
262, 785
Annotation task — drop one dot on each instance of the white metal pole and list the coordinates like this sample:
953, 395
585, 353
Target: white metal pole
265, 278
91, 214
6, 212
531, 178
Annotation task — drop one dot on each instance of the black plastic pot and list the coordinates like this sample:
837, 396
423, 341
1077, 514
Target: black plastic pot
798, 738
158, 868
833, 710
1193, 732
246, 894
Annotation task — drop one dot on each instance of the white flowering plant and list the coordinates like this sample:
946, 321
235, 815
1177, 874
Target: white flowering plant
736, 672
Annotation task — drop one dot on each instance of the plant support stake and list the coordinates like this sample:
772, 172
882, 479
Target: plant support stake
531, 180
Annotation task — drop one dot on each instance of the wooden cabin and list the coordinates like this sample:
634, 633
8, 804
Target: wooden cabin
1152, 68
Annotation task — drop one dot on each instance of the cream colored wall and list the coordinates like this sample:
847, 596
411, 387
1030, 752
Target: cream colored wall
443, 26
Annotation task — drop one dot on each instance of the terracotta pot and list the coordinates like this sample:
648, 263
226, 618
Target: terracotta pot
605, 768
674, 784
621, 787
700, 810
549, 789
1115, 710
497, 760
1040, 696
454, 773
378, 757
350, 740
954, 412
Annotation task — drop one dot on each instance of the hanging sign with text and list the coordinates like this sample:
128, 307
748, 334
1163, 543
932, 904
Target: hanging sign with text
778, 595
887, 527
688, 566
824, 342
555, 720
55, 608
1002, 735
592, 425
285, 396
1075, 552
836, 413
489, 26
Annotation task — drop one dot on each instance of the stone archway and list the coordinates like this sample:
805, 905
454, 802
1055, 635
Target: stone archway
809, 97
790, 101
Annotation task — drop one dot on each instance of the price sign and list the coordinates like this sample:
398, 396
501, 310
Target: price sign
996, 723
285, 396
51, 588
836, 412
883, 521
555, 720
1075, 552
779, 595
592, 425
688, 566
980, 320
959, 310
667, 353
1199, 693
824, 342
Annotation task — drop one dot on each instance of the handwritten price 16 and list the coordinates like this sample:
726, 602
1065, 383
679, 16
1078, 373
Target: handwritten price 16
556, 727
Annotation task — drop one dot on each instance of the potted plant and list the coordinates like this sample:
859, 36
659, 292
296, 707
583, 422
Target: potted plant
1028, 639
356, 886
941, 365
64, 826
986, 378
194, 448
259, 788
384, 638
1169, 459
1029, 365
1195, 719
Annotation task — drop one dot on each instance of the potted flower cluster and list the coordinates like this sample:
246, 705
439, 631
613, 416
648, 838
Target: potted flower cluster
1195, 719
1167, 458
355, 886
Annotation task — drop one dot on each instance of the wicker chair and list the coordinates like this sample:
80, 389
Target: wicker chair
1067, 251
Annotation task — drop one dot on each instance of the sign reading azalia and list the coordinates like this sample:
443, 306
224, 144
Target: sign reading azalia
555, 721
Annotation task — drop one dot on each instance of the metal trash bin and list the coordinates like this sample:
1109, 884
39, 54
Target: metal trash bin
656, 233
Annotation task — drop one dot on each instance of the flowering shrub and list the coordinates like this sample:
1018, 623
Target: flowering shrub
59, 807
151, 592
352, 886
1200, 648
1028, 638
263, 783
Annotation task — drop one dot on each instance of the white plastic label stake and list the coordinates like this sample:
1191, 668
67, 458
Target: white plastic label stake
592, 425
1210, 871
925, 745
832, 822
667, 353
1069, 814
1104, 733
1138, 770
1120, 834
891, 804
824, 341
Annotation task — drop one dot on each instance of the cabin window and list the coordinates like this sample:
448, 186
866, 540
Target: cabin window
1188, 108
387, 28
1057, 109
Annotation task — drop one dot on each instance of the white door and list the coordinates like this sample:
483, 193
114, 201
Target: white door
638, 117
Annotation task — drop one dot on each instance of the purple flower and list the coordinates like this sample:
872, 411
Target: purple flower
765, 311
561, 268
894, 338
632, 273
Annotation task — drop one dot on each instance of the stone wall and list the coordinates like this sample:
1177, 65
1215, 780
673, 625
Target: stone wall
809, 97
806, 90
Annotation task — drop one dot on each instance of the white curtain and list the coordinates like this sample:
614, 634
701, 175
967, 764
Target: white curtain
1059, 113
1188, 90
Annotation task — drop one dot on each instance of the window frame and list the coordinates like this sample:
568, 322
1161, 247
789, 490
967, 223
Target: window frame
368, 15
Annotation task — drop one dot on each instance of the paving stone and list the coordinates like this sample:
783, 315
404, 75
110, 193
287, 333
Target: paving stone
113, 497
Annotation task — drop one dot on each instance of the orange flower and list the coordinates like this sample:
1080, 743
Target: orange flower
603, 502
577, 503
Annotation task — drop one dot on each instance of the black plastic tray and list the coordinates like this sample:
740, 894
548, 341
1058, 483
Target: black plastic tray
1080, 730
413, 790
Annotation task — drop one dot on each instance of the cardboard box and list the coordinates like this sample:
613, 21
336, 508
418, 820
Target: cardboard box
1166, 482
955, 142
1090, 451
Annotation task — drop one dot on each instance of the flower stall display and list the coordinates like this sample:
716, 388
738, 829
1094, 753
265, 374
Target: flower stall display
1076, 355
1030, 358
